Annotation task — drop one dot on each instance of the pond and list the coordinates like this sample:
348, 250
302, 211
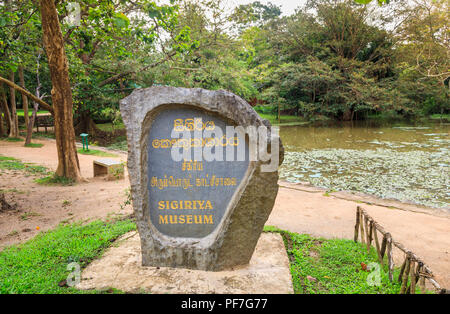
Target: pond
403, 161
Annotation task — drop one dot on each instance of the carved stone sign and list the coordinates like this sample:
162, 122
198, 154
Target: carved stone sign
188, 198
199, 194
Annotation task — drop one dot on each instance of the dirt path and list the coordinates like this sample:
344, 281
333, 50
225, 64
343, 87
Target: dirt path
308, 210
40, 208
298, 208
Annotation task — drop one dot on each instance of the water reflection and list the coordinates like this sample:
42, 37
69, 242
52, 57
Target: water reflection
409, 162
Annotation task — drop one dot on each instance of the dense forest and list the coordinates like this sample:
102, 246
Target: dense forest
333, 58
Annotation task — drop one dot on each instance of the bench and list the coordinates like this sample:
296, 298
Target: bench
44, 120
110, 168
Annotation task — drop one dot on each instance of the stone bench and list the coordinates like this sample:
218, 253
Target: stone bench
110, 168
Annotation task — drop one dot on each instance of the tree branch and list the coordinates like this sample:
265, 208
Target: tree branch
120, 75
27, 93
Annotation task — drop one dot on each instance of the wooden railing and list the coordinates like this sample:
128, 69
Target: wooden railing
413, 270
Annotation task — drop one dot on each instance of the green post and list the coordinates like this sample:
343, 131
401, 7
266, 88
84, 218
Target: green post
84, 140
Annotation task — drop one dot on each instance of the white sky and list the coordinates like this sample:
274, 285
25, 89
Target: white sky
287, 6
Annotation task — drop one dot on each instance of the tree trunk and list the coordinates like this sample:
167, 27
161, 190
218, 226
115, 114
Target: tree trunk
347, 115
68, 164
24, 97
4, 103
30, 125
14, 130
2, 128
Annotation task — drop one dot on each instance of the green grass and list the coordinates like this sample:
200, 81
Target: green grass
53, 179
95, 153
334, 263
30, 112
34, 145
284, 120
39, 134
38, 265
438, 116
12, 139
108, 127
10, 163
13, 190
27, 215
47, 177
43, 134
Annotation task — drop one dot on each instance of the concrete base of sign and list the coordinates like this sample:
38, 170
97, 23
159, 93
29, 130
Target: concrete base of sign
121, 268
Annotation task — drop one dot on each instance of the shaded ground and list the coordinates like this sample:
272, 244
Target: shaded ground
298, 208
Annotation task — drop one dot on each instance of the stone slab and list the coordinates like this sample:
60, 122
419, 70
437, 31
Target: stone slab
121, 268
240, 216
106, 162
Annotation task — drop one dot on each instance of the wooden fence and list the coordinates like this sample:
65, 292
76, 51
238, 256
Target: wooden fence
413, 270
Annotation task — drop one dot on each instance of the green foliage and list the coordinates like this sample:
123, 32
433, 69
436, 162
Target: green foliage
329, 58
332, 266
380, 2
255, 13
285, 120
38, 265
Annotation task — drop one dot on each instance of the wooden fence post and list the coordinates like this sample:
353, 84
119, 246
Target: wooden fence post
369, 237
361, 224
390, 256
412, 286
355, 238
412, 267
402, 269
377, 245
406, 274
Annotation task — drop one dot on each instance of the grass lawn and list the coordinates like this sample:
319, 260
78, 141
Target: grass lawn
284, 120
438, 116
12, 139
30, 112
10, 163
34, 145
95, 153
40, 264
332, 266
108, 127
45, 177
36, 135
43, 134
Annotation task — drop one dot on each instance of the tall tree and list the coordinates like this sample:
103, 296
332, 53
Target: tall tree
68, 164
24, 97
14, 129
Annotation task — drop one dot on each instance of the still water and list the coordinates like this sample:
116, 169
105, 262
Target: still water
407, 162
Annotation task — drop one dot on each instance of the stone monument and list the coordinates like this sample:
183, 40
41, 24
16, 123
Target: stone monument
193, 211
